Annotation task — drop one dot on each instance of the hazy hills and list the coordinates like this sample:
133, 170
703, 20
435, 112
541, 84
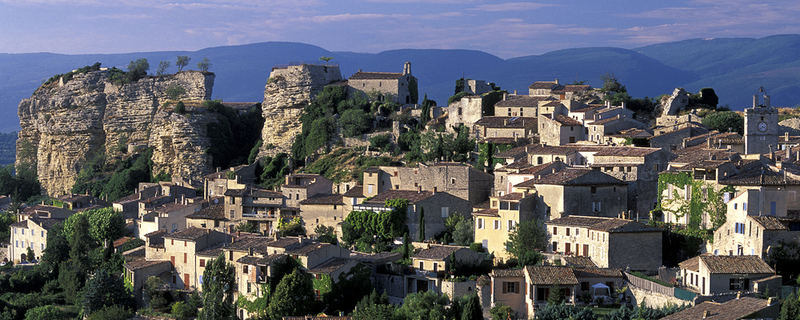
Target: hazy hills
735, 67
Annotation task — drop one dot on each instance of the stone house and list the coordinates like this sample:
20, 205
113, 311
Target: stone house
629, 135
519, 106
169, 217
458, 179
466, 111
544, 88
639, 167
506, 289
505, 178
181, 247
494, 224
323, 209
255, 205
211, 217
29, 233
557, 129
432, 263
577, 190
609, 242
400, 88
505, 129
600, 131
542, 281
137, 271
713, 275
753, 229
437, 207
44, 211
672, 138
215, 184
301, 186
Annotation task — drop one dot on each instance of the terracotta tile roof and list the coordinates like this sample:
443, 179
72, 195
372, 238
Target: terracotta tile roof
486, 212
603, 224
324, 199
544, 149
142, 264
566, 121
544, 85
355, 192
247, 242
307, 248
213, 212
413, 196
728, 264
253, 192
757, 173
191, 234
546, 168
551, 275
577, 87
330, 266
573, 177
213, 252
594, 272
513, 153
261, 261
437, 252
514, 196
633, 133
579, 261
507, 273
521, 101
626, 151
731, 310
506, 122
775, 223
361, 75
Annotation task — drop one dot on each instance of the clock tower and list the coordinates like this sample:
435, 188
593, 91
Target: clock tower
760, 125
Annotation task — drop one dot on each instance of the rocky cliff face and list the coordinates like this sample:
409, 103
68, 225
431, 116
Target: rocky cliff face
288, 91
65, 123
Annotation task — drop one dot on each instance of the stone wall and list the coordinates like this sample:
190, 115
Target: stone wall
653, 299
64, 124
466, 111
287, 92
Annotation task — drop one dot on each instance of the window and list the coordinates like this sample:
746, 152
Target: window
577, 231
184, 257
23, 232
744, 206
739, 284
445, 212
480, 223
43, 231
772, 208
584, 286
497, 224
421, 265
596, 206
185, 242
739, 228
244, 269
510, 225
567, 248
542, 293
555, 246
510, 287
435, 267
203, 263
555, 231
567, 232
453, 181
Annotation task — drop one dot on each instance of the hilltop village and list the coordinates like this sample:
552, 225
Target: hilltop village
355, 198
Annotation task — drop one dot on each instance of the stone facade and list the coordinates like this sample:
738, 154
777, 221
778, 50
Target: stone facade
670, 105
64, 124
288, 90
493, 225
760, 127
454, 178
385, 86
556, 130
465, 111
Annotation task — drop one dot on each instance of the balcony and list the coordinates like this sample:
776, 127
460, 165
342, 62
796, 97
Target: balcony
256, 215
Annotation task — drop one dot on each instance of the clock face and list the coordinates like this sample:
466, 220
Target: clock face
762, 126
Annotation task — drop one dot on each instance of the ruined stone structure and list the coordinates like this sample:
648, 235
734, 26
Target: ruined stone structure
386, 86
63, 124
672, 104
466, 111
288, 90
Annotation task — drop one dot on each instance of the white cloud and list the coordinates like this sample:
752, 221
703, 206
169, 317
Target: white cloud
511, 6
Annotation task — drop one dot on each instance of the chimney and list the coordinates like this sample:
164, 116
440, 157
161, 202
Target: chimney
505, 96
515, 92
705, 314
218, 169
623, 104
250, 251
738, 295
755, 101
770, 301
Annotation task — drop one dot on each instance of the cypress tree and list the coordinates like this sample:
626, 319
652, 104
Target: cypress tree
421, 224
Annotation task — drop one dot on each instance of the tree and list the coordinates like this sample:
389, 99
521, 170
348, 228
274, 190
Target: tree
421, 224
29, 255
219, 283
182, 62
406, 249
326, 234
502, 312
180, 108
354, 122
105, 290
614, 91
709, 97
564, 311
375, 306
47, 312
162, 68
325, 59
525, 241
155, 289
294, 295
57, 249
470, 308
137, 69
724, 121
790, 309
183, 311
111, 313
291, 228
348, 290
247, 226
424, 305
106, 225
204, 64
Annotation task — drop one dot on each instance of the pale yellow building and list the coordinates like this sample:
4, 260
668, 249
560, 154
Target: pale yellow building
493, 225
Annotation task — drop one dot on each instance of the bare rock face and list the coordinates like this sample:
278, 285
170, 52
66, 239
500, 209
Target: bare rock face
670, 105
287, 92
65, 123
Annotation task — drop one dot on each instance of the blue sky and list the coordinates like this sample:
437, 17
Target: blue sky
504, 28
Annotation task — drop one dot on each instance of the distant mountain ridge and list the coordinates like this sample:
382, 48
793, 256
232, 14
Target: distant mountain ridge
734, 67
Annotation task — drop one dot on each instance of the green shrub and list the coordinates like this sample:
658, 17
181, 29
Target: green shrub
175, 91
354, 122
183, 311
381, 142
180, 108
49, 312
114, 312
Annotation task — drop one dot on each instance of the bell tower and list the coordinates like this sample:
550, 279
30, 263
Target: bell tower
760, 125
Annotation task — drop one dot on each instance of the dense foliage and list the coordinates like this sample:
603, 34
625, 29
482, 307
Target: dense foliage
219, 284
233, 135
724, 121
526, 241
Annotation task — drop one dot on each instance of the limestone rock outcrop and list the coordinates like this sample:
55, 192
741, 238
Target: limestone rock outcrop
672, 104
65, 123
288, 90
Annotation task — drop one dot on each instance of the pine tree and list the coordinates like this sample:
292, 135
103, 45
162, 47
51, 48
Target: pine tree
406, 247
